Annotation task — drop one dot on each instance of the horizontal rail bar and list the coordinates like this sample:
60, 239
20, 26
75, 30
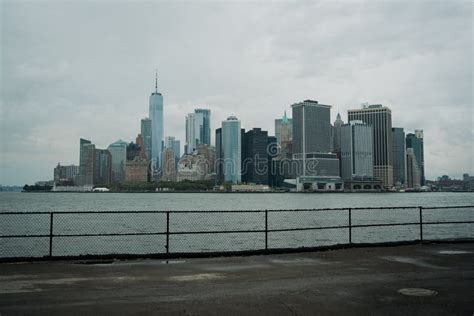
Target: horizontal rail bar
385, 224
25, 236
239, 231
239, 211
451, 222
445, 207
306, 228
84, 235
83, 212
200, 232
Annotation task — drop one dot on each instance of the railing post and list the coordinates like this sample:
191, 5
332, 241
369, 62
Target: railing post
51, 217
167, 232
266, 229
421, 223
350, 226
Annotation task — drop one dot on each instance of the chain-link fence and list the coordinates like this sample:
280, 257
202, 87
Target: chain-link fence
165, 233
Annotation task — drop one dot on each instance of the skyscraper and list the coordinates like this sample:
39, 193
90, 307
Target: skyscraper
197, 129
336, 135
205, 128
82, 161
413, 171
175, 145
231, 149
103, 167
415, 141
356, 150
146, 136
255, 156
313, 118
118, 150
286, 124
399, 156
89, 164
380, 118
193, 123
157, 127
219, 161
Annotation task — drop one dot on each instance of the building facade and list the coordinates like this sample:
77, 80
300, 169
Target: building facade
284, 125
192, 132
136, 170
175, 145
231, 150
255, 156
197, 129
399, 156
219, 161
118, 151
415, 141
380, 118
169, 165
89, 164
193, 167
82, 162
413, 171
146, 136
103, 167
157, 128
336, 135
205, 128
356, 150
66, 174
312, 127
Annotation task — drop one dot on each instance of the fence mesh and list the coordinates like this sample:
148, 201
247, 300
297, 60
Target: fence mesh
75, 234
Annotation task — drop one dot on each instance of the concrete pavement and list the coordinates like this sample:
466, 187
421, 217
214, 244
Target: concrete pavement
436, 279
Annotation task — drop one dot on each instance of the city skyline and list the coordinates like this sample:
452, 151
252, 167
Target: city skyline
98, 106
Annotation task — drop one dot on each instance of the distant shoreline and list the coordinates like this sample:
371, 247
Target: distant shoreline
218, 192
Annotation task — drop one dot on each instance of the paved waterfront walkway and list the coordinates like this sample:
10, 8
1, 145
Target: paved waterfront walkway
351, 281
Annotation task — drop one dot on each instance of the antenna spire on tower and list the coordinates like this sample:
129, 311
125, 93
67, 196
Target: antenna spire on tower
156, 80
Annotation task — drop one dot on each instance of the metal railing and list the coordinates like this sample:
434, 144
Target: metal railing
18, 229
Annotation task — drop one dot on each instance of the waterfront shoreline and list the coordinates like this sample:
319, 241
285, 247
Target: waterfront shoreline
248, 192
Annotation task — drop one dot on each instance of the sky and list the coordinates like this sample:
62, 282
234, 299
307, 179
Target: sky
72, 69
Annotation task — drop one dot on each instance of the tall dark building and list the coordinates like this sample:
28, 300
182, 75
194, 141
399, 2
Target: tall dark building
255, 156
218, 164
89, 164
146, 136
415, 141
272, 153
82, 160
399, 156
380, 118
133, 150
102, 167
314, 118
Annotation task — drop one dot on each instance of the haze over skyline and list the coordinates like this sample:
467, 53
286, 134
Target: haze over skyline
72, 70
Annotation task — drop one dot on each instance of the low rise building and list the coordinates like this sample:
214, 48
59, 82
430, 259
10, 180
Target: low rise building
251, 187
192, 167
136, 170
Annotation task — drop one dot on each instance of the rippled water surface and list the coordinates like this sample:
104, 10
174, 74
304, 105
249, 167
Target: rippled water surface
26, 202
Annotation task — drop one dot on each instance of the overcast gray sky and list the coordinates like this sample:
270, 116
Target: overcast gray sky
86, 69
